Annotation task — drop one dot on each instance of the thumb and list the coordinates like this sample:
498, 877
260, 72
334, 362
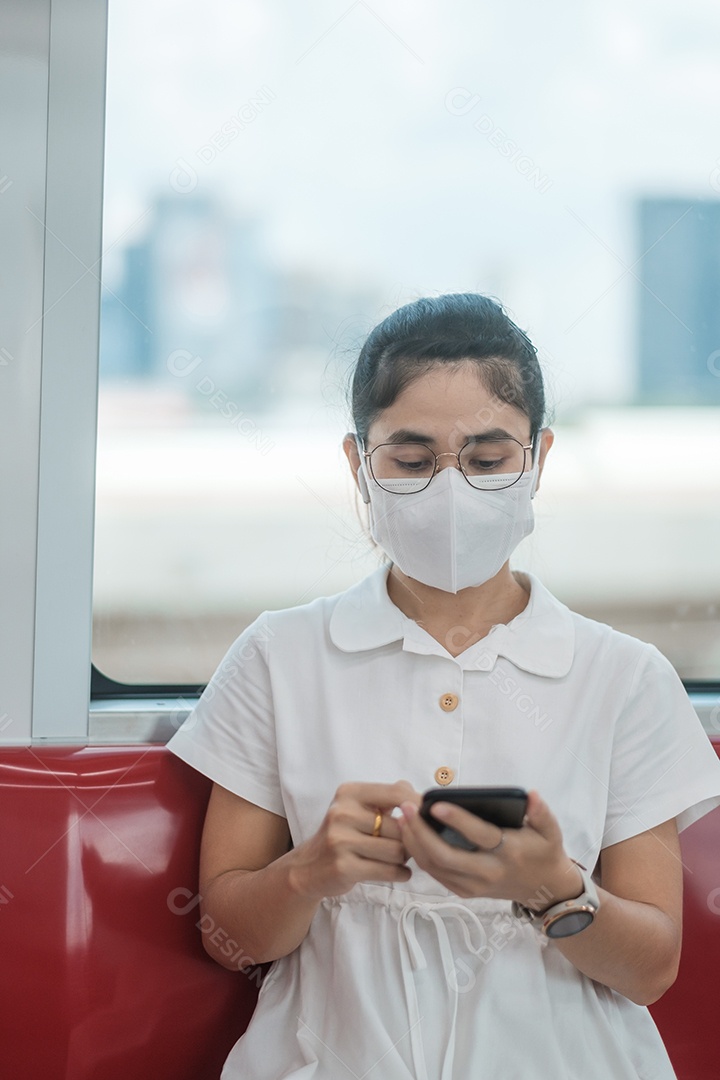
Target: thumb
540, 817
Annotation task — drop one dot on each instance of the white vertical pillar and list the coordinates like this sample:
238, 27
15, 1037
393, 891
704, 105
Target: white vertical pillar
52, 85
68, 414
24, 33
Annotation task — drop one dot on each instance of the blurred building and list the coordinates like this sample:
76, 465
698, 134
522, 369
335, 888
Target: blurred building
196, 283
679, 302
200, 283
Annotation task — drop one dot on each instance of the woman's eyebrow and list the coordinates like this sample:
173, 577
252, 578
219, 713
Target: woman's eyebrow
403, 435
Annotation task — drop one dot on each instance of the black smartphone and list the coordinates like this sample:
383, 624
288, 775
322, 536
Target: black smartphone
502, 806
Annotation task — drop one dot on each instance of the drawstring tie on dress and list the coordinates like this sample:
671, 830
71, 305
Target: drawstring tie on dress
412, 958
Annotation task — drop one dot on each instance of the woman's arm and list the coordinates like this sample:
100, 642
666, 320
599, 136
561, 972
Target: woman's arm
239, 841
633, 945
261, 895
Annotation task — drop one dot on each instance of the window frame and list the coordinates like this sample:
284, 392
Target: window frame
55, 60
48, 408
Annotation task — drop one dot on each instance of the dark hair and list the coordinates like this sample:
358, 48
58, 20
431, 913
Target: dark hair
436, 330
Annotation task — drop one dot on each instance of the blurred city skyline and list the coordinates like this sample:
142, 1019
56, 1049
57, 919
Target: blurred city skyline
397, 152
279, 178
199, 292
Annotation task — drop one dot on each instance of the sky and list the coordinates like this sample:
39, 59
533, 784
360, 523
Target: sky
429, 146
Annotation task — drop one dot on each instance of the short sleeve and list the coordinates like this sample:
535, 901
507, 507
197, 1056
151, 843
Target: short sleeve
663, 763
230, 734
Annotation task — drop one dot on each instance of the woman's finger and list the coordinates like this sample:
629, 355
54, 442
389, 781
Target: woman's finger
376, 849
380, 825
426, 846
482, 833
383, 797
540, 817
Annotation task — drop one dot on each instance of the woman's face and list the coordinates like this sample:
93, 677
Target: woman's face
444, 408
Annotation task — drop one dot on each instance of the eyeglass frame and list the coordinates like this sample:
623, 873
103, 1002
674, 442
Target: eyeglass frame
367, 454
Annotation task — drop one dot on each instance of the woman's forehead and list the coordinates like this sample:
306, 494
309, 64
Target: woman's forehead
442, 403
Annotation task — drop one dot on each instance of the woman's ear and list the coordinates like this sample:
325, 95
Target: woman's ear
353, 455
547, 438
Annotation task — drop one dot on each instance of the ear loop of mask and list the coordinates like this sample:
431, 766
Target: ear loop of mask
361, 478
362, 484
534, 466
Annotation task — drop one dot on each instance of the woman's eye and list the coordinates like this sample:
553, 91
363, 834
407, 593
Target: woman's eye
413, 466
497, 456
484, 464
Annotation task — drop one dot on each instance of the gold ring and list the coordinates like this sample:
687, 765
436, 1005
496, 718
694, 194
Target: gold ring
378, 824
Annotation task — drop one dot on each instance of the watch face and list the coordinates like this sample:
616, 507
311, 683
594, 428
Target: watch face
570, 923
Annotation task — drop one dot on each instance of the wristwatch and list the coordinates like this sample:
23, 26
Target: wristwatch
569, 916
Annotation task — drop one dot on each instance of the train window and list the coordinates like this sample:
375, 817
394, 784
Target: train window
279, 177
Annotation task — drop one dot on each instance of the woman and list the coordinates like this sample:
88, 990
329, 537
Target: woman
398, 955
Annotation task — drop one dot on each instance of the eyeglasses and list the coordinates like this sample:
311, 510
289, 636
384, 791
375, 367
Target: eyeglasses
488, 464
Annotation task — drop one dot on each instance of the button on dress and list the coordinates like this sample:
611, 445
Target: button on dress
409, 981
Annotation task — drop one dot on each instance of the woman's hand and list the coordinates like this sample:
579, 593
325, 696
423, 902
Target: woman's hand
530, 865
344, 850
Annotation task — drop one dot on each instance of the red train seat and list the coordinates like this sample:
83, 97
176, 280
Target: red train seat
104, 974
687, 1014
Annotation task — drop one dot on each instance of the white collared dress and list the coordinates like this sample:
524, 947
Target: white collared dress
408, 981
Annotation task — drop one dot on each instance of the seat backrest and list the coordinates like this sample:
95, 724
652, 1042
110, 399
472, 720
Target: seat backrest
104, 973
687, 1014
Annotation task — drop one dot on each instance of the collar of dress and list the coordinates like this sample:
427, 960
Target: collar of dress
540, 640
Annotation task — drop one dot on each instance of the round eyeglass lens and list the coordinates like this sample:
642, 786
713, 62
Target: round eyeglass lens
402, 467
493, 463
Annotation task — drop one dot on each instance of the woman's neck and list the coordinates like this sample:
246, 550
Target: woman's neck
458, 620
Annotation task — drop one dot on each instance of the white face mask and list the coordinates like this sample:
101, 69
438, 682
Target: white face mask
451, 535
